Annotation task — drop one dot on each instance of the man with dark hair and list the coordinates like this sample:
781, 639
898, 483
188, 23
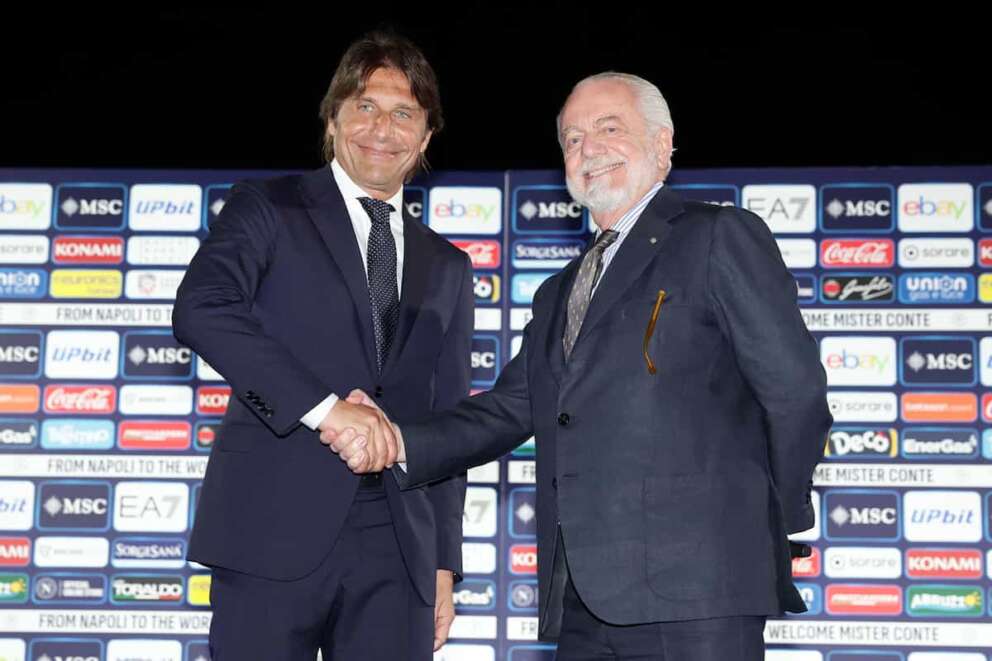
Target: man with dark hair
306, 286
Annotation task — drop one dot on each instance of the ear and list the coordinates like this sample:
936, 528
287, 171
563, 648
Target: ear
426, 141
331, 129
663, 147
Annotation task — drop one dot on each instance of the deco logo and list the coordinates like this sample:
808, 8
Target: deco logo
861, 443
938, 361
73, 505
856, 515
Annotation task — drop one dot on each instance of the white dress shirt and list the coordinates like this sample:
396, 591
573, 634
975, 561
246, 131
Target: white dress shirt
362, 225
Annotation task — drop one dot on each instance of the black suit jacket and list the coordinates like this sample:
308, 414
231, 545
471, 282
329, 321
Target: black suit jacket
674, 491
277, 301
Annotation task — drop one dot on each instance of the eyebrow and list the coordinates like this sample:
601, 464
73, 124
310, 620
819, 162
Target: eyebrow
598, 122
401, 106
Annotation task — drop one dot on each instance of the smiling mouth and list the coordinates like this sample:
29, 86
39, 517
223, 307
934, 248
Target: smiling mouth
599, 172
378, 153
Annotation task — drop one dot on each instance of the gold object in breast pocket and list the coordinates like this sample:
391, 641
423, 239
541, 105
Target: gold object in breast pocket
650, 330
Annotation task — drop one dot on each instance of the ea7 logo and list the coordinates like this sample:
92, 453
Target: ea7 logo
151, 507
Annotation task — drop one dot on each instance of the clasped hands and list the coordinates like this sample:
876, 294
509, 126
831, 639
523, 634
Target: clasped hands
361, 434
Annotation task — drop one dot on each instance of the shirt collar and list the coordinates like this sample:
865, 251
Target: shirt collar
626, 221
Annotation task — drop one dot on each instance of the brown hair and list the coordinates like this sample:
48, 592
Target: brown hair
377, 50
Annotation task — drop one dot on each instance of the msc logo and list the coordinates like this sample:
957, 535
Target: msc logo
136, 589
215, 197
523, 559
476, 595
413, 201
20, 354
936, 288
23, 283
939, 443
486, 288
720, 195
861, 442
855, 515
938, 361
90, 207
856, 208
65, 649
547, 210
523, 512
74, 505
485, 360
546, 253
155, 355
945, 600
858, 288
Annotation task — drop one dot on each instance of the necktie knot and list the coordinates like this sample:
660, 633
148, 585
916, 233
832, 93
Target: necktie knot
605, 240
377, 210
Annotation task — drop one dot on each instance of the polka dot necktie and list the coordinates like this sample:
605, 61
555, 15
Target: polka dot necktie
381, 266
578, 300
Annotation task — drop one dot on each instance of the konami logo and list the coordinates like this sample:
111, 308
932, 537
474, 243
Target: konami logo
15, 551
523, 559
212, 400
88, 250
943, 563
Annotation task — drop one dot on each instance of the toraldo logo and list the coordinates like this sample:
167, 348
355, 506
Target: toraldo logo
135, 589
943, 563
864, 599
853, 514
861, 443
523, 559
465, 210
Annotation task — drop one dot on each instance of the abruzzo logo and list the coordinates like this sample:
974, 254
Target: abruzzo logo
945, 600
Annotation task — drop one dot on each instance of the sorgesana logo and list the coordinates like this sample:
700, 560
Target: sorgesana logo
853, 515
23, 283
861, 442
546, 253
936, 288
858, 288
91, 207
931, 443
155, 355
73, 505
938, 361
20, 354
160, 552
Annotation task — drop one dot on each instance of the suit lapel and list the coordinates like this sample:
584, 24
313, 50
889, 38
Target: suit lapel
641, 246
418, 257
329, 214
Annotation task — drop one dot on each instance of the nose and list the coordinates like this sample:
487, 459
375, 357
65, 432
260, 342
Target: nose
382, 125
592, 146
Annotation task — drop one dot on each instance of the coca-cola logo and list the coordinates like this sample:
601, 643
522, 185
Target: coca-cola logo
80, 399
864, 253
484, 254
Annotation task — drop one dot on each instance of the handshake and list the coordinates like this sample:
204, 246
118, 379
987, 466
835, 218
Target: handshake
361, 434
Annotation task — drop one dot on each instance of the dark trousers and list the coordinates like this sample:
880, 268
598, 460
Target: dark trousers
359, 604
584, 636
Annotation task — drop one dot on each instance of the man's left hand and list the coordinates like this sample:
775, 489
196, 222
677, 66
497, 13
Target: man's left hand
444, 607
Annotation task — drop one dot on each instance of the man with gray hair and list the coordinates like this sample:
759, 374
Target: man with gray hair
677, 401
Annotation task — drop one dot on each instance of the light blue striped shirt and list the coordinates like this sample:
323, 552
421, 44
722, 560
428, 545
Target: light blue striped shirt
623, 226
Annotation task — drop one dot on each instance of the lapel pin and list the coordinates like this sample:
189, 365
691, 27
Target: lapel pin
654, 240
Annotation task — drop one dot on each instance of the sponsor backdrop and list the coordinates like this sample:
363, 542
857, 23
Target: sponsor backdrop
106, 422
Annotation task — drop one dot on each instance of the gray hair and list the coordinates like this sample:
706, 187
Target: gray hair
654, 108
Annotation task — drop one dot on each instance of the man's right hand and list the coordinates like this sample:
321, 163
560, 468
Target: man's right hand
359, 427
360, 455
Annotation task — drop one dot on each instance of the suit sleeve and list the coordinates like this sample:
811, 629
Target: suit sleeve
213, 315
755, 299
452, 378
478, 430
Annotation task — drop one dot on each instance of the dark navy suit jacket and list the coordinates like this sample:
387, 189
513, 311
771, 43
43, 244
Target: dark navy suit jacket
277, 301
674, 491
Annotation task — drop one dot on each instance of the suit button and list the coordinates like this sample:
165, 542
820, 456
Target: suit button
563, 419
554, 483
378, 391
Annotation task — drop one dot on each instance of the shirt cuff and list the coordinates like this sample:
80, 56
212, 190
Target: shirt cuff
316, 415
402, 465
